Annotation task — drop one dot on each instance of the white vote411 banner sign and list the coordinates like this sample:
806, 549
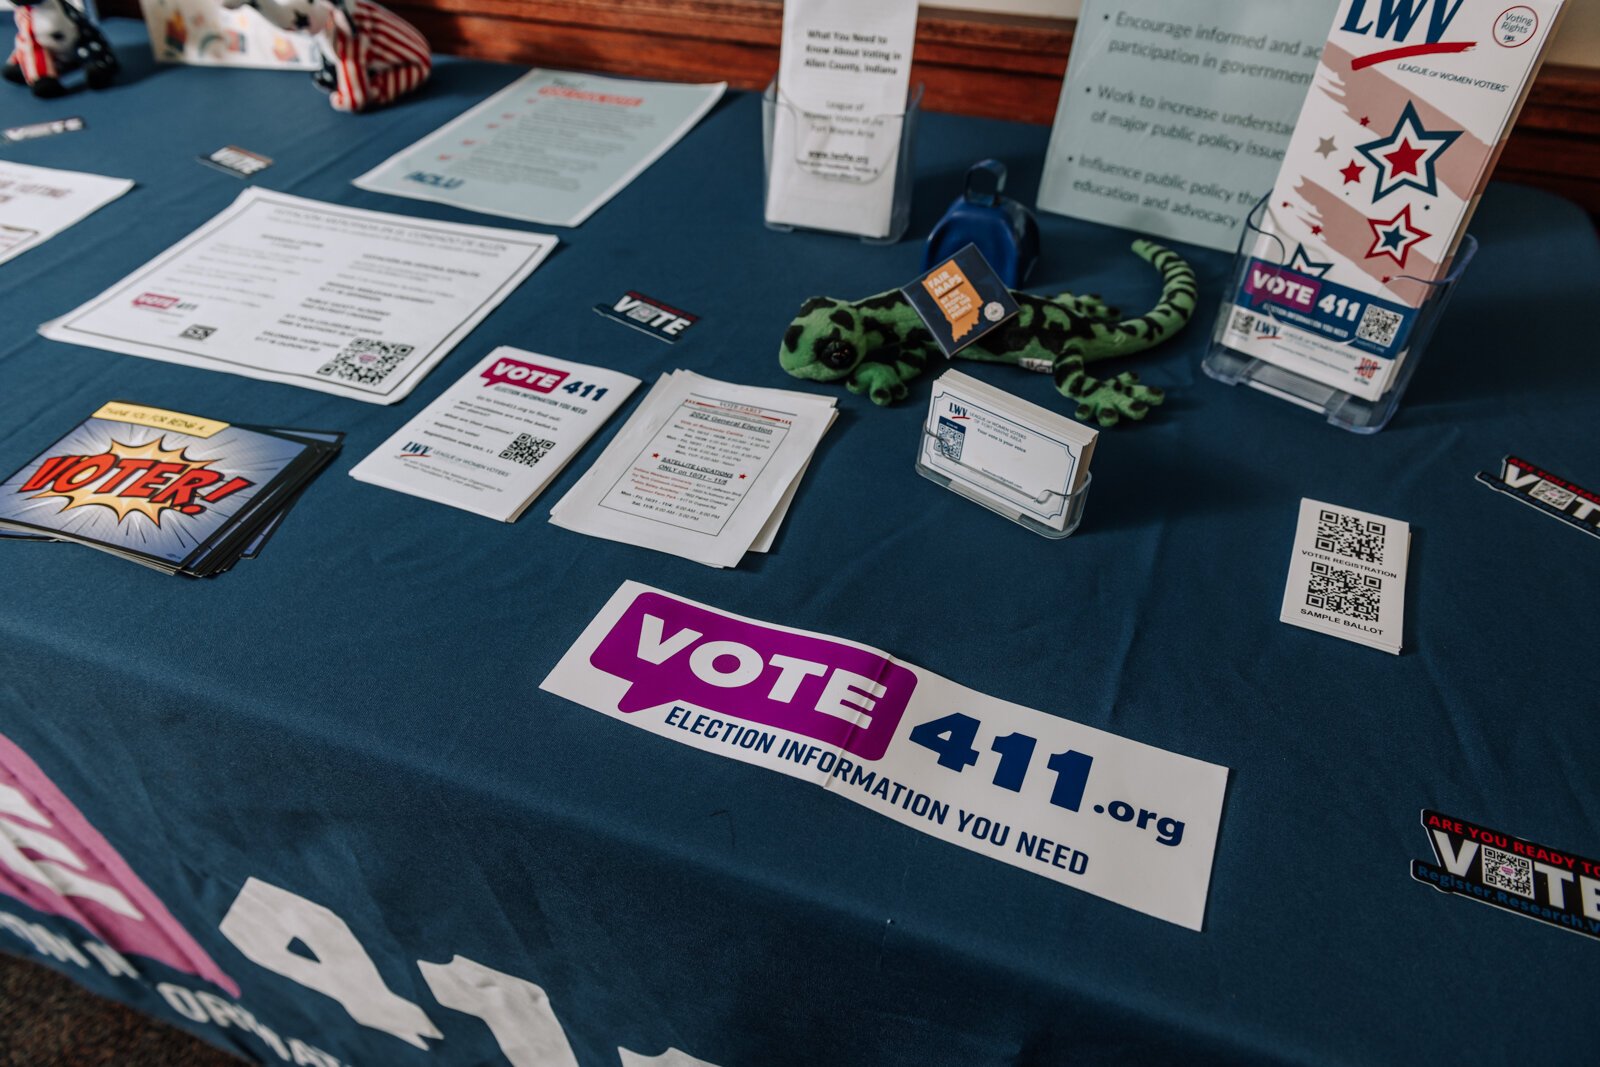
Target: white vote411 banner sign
1122, 820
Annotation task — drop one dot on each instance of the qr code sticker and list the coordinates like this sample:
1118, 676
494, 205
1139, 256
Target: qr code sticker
1553, 495
527, 449
1379, 325
950, 440
198, 333
1502, 870
365, 361
1347, 535
1242, 323
1355, 596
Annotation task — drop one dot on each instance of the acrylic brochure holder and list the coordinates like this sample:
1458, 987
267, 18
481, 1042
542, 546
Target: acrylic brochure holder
1073, 502
1344, 410
874, 170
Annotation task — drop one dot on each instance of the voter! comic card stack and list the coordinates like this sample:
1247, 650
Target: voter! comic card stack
181, 494
1410, 107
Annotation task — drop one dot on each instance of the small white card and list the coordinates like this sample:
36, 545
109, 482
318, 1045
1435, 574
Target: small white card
703, 469
1347, 576
492, 441
1016, 458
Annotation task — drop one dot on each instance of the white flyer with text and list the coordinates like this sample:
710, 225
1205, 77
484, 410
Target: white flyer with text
357, 303
492, 441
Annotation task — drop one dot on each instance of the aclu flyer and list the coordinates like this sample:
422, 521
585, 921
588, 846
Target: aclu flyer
1122, 820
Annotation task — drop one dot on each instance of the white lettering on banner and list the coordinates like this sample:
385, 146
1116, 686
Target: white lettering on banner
54, 873
517, 1012
265, 920
670, 1058
195, 1005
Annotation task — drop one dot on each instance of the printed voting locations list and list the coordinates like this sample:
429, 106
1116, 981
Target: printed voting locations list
704, 469
357, 303
842, 77
552, 147
496, 438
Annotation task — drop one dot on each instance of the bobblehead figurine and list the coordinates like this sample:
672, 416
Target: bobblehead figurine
53, 38
370, 55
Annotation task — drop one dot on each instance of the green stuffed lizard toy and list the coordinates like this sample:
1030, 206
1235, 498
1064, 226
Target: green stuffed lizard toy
879, 344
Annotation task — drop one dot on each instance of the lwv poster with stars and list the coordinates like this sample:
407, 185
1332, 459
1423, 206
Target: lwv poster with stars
1409, 109
1174, 117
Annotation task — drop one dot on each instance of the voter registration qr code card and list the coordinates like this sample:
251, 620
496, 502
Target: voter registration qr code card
961, 300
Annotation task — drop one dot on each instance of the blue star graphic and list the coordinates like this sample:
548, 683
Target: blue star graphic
1306, 265
1406, 157
1392, 238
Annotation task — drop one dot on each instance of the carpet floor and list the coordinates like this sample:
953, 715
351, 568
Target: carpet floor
47, 1020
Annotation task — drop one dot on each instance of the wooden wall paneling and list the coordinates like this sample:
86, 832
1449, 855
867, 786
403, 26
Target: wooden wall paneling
974, 63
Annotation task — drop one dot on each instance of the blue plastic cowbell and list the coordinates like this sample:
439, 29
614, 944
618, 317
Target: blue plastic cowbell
1004, 231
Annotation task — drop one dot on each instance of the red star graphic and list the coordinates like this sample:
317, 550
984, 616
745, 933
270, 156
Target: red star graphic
1365, 121
1352, 173
1286, 203
1403, 160
1316, 231
655, 455
741, 477
1409, 236
1385, 279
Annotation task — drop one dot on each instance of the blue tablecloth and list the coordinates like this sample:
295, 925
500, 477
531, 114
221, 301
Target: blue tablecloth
355, 716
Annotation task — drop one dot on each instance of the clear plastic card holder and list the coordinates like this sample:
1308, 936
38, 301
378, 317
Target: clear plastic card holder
1074, 501
1345, 410
900, 212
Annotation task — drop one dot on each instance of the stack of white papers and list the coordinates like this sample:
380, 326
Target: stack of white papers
496, 438
1347, 576
703, 469
1013, 457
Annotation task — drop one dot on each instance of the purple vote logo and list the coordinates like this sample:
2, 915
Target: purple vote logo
1282, 285
670, 651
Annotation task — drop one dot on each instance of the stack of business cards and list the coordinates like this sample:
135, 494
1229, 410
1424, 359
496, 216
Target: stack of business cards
1347, 576
703, 469
1016, 458
181, 494
496, 438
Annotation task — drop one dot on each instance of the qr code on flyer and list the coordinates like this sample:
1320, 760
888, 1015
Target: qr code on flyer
1243, 323
365, 361
1355, 596
1502, 870
1379, 325
527, 449
1347, 535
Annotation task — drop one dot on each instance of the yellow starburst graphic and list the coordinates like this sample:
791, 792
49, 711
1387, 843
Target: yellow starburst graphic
105, 479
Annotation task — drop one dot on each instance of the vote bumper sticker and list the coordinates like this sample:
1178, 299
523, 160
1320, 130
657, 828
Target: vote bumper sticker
647, 315
1553, 886
1123, 820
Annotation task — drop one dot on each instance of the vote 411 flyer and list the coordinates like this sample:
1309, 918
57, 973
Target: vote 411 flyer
1117, 818
1408, 112
179, 493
